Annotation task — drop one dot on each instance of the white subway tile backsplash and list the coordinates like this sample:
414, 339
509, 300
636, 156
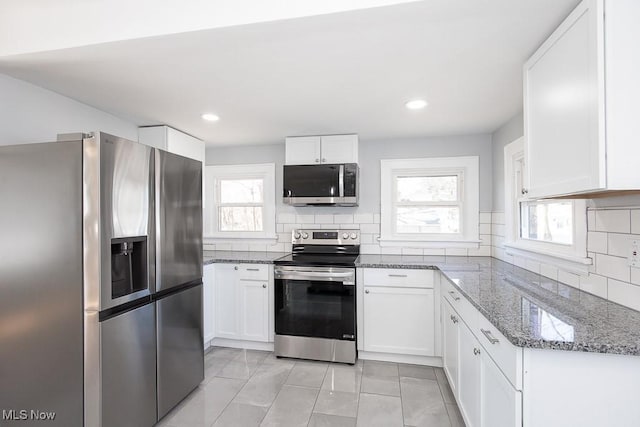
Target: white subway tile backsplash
532, 266
597, 242
613, 221
569, 278
485, 228
619, 244
284, 237
258, 247
520, 261
549, 271
376, 218
366, 238
497, 218
391, 251
412, 251
456, 252
591, 220
485, 218
624, 293
279, 228
286, 217
305, 219
433, 251
635, 221
613, 267
239, 246
497, 230
370, 228
324, 219
370, 249
485, 239
483, 250
594, 284
363, 218
342, 219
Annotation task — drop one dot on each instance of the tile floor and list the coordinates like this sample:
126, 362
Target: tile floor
247, 388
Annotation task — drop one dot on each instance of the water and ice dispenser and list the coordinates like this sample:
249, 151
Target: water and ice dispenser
128, 266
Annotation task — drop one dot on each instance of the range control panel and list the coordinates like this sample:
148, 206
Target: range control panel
325, 237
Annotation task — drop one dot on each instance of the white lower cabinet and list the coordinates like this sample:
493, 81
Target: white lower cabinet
208, 303
469, 379
398, 312
450, 338
242, 302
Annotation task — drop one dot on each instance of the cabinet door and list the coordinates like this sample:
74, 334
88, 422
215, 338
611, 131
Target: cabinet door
185, 145
254, 309
450, 322
339, 149
500, 403
226, 301
208, 302
302, 150
399, 320
469, 377
564, 107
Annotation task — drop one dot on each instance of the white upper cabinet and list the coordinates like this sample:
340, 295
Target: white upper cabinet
173, 141
580, 91
311, 150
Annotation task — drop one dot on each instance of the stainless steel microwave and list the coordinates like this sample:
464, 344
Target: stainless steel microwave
318, 185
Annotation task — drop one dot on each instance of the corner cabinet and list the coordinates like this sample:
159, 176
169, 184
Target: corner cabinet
310, 150
397, 312
580, 97
242, 301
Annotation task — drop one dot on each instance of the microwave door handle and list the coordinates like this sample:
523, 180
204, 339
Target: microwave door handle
341, 181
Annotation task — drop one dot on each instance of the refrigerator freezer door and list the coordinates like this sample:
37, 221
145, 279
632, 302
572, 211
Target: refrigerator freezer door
178, 220
128, 355
180, 346
41, 282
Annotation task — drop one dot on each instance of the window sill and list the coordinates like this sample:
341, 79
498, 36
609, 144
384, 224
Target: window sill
211, 240
570, 263
473, 244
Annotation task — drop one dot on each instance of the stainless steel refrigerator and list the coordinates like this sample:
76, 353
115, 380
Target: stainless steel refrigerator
100, 272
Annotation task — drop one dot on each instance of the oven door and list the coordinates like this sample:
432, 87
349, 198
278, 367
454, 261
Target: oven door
316, 302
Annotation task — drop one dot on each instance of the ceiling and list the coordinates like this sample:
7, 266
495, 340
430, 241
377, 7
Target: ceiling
348, 72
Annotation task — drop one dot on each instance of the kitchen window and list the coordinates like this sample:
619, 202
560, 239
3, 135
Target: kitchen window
552, 231
240, 202
430, 202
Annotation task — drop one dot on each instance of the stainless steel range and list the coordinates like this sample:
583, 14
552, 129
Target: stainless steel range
315, 303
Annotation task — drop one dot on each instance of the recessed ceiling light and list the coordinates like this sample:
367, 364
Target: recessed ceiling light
210, 117
416, 104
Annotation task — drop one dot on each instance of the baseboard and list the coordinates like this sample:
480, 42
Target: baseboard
249, 345
401, 358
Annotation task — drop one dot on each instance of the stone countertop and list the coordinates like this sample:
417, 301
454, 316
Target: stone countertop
530, 310
241, 257
533, 311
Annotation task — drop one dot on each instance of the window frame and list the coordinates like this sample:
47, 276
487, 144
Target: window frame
467, 170
568, 257
216, 173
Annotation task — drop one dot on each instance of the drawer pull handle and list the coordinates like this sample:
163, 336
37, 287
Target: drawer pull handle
253, 269
453, 294
397, 275
490, 337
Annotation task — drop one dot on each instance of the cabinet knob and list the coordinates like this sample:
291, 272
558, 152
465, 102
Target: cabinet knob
324, 160
264, 285
235, 268
524, 191
476, 351
317, 160
366, 291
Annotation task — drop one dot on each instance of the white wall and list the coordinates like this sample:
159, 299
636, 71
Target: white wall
370, 154
507, 133
29, 113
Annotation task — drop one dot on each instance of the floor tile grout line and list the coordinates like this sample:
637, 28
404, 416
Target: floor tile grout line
230, 401
318, 395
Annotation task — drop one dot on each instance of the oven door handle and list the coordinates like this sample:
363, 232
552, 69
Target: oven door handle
316, 275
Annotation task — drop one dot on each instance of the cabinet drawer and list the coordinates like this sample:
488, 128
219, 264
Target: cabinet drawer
253, 271
461, 305
507, 356
390, 277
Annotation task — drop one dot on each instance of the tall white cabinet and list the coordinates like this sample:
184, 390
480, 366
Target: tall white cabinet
580, 103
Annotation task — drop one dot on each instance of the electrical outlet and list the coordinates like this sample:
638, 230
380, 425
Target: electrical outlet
634, 254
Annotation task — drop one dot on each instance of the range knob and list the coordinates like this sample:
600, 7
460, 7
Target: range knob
345, 235
353, 236
305, 235
296, 235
